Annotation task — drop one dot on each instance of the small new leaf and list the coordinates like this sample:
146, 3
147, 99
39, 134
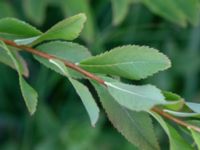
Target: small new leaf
175, 101
132, 62
182, 114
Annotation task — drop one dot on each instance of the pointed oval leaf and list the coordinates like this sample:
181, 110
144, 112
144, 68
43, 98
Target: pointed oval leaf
132, 62
67, 29
129, 123
137, 98
65, 50
29, 94
14, 28
82, 91
88, 101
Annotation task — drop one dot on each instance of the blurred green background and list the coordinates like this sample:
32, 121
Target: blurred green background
61, 122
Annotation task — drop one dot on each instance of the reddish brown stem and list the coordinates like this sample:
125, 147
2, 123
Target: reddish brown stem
92, 76
48, 56
174, 119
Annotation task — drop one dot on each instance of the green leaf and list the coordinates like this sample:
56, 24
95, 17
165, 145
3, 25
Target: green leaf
88, 101
175, 139
196, 136
26, 41
137, 98
67, 29
179, 11
35, 10
176, 102
82, 91
190, 8
64, 50
28, 93
182, 114
70, 7
25, 34
14, 28
120, 9
132, 62
171, 96
5, 59
194, 106
189, 109
136, 127
169, 10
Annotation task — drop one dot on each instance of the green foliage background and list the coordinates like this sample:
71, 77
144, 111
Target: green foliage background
61, 121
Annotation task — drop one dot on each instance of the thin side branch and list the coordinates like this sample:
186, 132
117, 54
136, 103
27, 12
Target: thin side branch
93, 77
176, 120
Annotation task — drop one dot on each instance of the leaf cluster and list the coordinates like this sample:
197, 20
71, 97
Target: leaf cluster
128, 106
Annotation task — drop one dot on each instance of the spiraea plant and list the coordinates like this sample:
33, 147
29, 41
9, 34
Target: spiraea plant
130, 108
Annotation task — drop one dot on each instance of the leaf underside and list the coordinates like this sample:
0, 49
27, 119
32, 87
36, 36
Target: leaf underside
129, 123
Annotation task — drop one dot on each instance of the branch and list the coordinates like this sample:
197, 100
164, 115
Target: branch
93, 77
48, 56
176, 120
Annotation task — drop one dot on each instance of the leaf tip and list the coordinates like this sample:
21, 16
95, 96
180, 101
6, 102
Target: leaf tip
32, 112
83, 16
94, 121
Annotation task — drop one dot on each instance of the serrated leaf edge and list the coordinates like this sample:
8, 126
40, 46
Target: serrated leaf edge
130, 45
23, 22
115, 126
